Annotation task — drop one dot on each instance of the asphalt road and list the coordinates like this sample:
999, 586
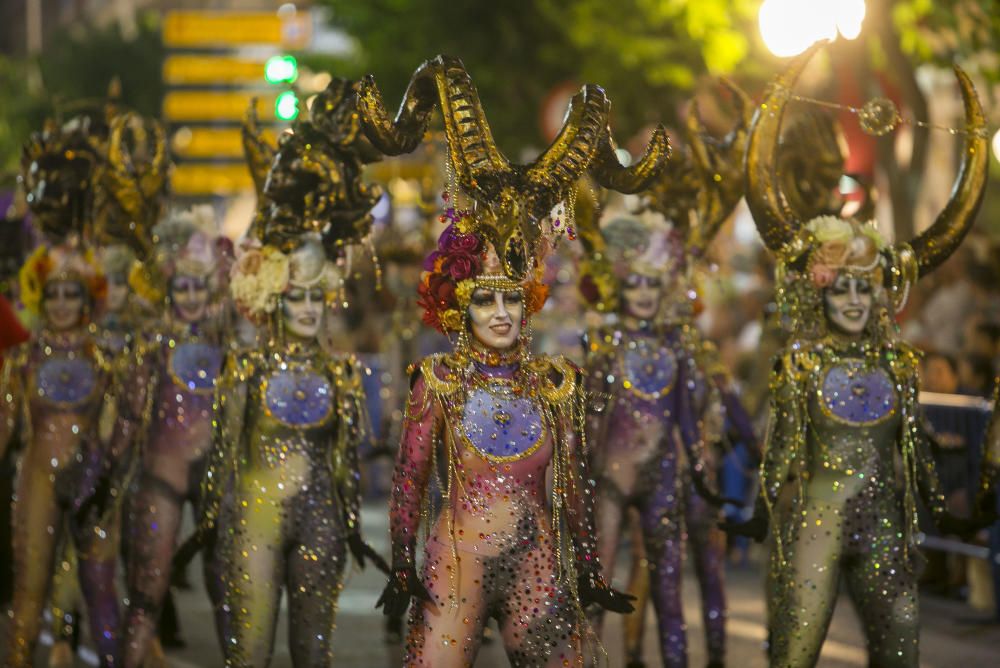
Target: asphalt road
952, 634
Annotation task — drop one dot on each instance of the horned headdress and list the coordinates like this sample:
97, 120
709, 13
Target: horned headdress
507, 232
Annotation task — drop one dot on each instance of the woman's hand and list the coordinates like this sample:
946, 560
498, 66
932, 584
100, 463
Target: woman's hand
403, 584
756, 527
361, 550
593, 589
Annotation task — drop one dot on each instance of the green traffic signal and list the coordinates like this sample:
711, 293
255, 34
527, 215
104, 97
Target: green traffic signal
281, 69
286, 106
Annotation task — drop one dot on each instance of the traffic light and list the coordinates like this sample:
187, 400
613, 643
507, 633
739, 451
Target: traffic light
281, 69
286, 106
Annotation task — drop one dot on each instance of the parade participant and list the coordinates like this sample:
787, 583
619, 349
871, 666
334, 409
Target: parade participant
659, 375
169, 393
844, 403
282, 493
53, 390
490, 421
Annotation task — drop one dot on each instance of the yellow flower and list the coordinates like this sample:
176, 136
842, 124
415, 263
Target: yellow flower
464, 290
451, 319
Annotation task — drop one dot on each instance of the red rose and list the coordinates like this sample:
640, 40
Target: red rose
441, 290
463, 244
461, 266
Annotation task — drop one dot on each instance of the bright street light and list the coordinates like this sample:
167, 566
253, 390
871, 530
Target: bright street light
789, 27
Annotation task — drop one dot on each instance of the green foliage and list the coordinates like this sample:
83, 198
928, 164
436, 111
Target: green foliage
945, 31
648, 54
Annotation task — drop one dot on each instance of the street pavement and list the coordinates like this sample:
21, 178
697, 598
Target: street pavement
952, 634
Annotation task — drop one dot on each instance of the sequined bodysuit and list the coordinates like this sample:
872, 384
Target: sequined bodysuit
840, 420
53, 387
650, 379
171, 395
283, 485
491, 437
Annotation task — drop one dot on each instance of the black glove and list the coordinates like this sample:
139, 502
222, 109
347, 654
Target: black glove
360, 549
755, 527
403, 584
93, 503
593, 589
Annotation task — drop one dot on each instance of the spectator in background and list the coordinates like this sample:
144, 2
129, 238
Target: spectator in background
940, 373
976, 374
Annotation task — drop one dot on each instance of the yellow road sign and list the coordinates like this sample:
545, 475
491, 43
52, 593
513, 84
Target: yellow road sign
185, 29
198, 105
211, 70
211, 142
204, 180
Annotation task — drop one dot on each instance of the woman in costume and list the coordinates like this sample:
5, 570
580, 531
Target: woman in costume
659, 375
53, 390
169, 393
486, 424
844, 401
282, 492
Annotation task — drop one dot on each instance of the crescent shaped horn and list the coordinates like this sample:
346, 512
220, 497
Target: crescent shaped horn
767, 204
639, 176
941, 239
404, 133
559, 167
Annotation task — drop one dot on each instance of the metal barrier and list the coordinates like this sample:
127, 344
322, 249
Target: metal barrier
961, 421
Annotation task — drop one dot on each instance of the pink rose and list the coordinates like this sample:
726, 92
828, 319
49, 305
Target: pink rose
822, 275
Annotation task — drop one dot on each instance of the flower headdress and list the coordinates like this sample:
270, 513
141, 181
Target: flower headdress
504, 237
816, 250
188, 242
312, 203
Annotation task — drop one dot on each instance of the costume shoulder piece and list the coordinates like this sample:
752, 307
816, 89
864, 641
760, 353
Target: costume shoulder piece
347, 370
601, 340
799, 358
441, 373
557, 377
240, 365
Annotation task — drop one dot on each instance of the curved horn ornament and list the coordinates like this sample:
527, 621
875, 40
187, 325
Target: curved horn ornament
769, 207
942, 238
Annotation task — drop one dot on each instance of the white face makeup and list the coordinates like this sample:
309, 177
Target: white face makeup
848, 304
496, 317
190, 297
62, 303
641, 296
302, 309
117, 293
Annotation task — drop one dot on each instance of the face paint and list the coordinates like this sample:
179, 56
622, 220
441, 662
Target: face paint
496, 317
302, 309
62, 302
190, 297
117, 293
848, 304
641, 296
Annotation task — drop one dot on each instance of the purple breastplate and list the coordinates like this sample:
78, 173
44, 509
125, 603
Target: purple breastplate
195, 366
858, 396
501, 426
66, 381
298, 398
649, 371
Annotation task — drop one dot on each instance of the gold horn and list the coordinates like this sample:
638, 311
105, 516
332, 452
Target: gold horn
768, 205
258, 150
562, 164
638, 176
404, 133
940, 240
